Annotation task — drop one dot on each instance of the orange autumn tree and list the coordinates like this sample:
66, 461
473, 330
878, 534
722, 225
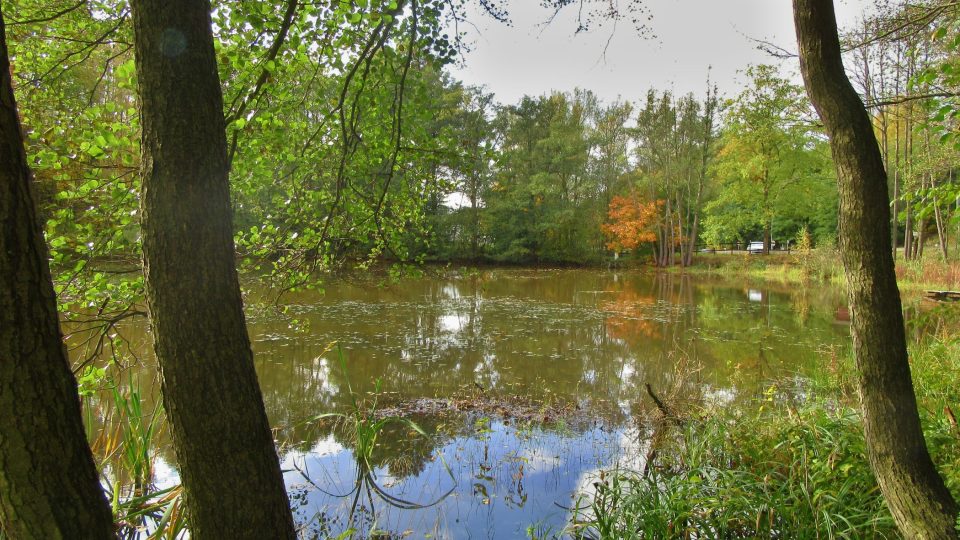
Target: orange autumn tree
631, 222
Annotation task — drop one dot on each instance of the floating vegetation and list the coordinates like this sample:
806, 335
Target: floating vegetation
365, 423
509, 408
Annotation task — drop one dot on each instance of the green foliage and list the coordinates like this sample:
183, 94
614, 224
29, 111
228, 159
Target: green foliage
775, 173
348, 142
732, 474
551, 184
675, 139
779, 466
137, 430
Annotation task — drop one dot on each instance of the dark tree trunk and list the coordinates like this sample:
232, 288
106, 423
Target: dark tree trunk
49, 486
225, 451
915, 493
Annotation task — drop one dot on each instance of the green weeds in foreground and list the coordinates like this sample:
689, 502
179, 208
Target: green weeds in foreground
126, 442
792, 467
760, 475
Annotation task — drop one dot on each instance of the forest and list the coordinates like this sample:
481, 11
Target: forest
380, 155
195, 167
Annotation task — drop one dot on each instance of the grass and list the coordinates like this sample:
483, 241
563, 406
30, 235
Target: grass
136, 430
742, 475
929, 272
824, 265
795, 267
793, 466
126, 443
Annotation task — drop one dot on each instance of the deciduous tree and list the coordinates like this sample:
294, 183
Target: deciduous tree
225, 451
49, 487
631, 222
918, 499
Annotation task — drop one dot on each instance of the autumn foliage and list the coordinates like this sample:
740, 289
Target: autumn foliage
631, 221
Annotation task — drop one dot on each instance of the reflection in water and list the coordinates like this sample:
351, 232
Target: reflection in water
508, 479
589, 338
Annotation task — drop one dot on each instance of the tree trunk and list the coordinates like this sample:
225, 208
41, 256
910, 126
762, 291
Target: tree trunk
768, 224
895, 218
49, 487
475, 211
921, 239
908, 240
909, 181
225, 450
941, 231
937, 214
920, 503
708, 116
767, 236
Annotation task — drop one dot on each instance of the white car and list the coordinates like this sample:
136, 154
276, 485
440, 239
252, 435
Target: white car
755, 247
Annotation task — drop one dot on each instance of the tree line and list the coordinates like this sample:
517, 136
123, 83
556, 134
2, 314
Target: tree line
343, 139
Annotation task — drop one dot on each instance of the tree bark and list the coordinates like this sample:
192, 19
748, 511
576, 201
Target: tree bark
920, 503
226, 454
49, 487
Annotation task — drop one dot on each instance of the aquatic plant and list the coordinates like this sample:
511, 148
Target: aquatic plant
136, 431
157, 515
365, 424
126, 443
778, 468
798, 473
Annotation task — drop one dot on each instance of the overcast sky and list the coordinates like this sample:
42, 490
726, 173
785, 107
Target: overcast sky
690, 36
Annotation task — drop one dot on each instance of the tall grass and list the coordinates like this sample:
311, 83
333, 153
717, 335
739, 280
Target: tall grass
818, 264
782, 472
929, 272
134, 434
824, 264
792, 466
126, 444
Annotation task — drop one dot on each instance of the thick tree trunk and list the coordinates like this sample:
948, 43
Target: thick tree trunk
225, 451
49, 486
915, 493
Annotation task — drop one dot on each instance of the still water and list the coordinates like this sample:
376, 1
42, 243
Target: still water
529, 382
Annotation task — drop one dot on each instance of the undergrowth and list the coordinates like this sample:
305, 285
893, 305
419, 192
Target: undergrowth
791, 466
823, 264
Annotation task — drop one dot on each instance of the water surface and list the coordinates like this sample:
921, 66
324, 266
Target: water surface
584, 340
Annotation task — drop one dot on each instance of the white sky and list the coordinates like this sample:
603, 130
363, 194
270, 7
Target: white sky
690, 36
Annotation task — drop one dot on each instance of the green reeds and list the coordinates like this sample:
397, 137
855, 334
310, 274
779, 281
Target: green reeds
778, 469
779, 473
126, 442
136, 430
158, 515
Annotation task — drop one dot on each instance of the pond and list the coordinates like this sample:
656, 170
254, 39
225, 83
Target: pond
528, 383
